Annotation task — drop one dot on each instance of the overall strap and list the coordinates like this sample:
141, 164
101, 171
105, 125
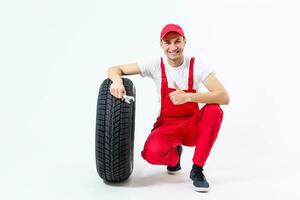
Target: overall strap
191, 73
164, 81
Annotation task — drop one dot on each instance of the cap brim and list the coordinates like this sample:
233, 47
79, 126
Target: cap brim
162, 37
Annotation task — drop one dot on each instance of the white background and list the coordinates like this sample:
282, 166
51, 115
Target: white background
54, 56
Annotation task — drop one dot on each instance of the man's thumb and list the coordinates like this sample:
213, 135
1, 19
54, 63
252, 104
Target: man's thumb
176, 86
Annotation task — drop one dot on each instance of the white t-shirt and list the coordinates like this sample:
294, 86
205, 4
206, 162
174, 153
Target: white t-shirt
151, 69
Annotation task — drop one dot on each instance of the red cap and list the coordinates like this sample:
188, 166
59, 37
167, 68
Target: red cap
171, 28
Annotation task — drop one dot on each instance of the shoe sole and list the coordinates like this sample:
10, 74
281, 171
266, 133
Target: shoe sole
174, 172
199, 189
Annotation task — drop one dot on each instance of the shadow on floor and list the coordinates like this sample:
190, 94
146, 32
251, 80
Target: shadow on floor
155, 178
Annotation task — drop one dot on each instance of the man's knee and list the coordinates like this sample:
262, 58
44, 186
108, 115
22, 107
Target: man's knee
155, 154
213, 109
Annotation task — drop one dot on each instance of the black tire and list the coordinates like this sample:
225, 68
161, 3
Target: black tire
115, 133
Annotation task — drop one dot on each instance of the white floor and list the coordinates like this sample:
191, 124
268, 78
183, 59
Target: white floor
68, 172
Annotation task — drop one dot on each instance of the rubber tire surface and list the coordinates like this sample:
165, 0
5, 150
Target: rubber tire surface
115, 123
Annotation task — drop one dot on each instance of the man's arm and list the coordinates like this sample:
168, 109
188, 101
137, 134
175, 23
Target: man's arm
217, 93
114, 73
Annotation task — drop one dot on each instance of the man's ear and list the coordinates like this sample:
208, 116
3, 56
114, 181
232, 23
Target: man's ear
161, 43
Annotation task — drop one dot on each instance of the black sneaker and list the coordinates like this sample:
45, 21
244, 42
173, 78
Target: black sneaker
175, 169
199, 181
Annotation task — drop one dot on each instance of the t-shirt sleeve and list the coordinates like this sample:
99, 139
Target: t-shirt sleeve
149, 68
207, 71
203, 69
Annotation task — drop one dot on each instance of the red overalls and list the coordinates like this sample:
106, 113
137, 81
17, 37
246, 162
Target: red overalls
182, 124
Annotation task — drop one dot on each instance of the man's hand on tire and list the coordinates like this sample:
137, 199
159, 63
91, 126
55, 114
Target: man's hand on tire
117, 89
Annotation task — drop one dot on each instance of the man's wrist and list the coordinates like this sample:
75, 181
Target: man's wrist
117, 79
190, 97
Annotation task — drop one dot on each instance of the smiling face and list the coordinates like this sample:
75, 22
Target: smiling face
173, 45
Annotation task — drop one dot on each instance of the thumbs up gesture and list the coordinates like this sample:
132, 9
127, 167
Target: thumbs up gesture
176, 86
179, 96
